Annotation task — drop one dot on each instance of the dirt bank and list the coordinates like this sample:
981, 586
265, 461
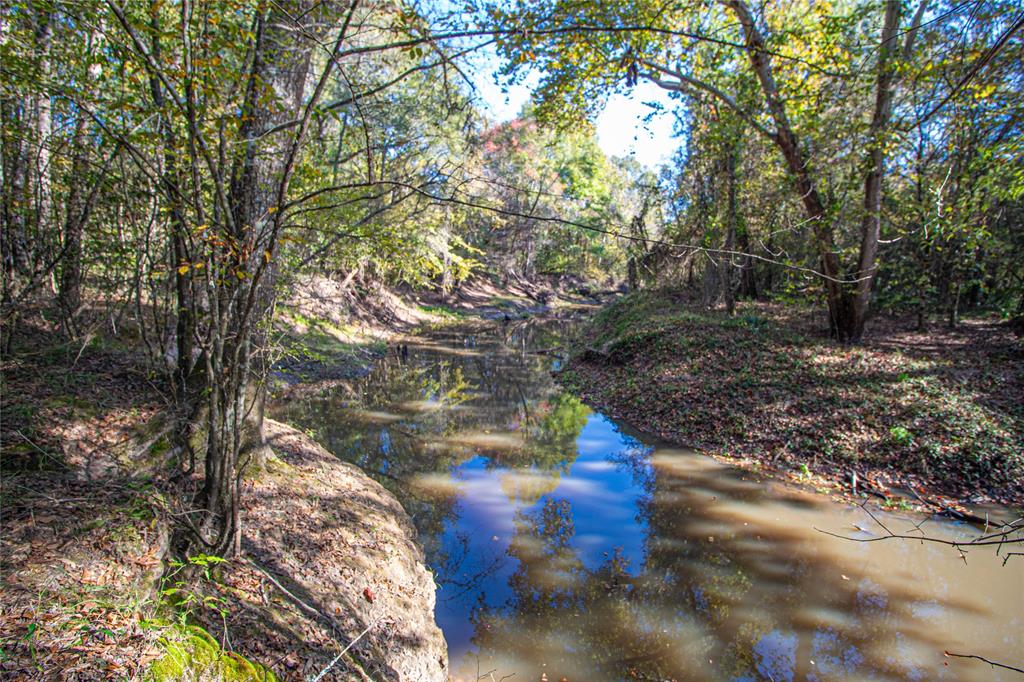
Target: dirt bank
936, 419
330, 331
82, 532
88, 589
330, 555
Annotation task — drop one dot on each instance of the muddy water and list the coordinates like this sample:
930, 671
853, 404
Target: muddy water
566, 545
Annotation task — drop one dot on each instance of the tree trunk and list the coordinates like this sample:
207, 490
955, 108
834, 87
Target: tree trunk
185, 300
730, 234
242, 300
840, 303
848, 306
70, 291
871, 226
748, 276
711, 283
45, 238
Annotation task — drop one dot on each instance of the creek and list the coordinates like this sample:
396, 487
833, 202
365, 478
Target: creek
567, 545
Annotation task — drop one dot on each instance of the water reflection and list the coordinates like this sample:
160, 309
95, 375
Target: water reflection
565, 545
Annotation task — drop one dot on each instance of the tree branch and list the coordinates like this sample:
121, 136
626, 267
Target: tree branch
694, 83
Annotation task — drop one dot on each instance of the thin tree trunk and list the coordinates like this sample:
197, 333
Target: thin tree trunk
79, 203
730, 234
46, 239
848, 306
258, 182
748, 276
871, 227
840, 304
70, 295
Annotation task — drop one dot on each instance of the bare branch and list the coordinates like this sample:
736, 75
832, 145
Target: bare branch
994, 664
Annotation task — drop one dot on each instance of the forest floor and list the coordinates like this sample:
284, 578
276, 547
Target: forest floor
83, 535
926, 419
88, 587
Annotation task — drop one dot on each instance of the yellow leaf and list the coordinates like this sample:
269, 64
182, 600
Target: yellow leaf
182, 269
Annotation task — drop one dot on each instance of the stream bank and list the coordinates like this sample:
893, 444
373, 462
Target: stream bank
331, 560
332, 332
90, 591
932, 420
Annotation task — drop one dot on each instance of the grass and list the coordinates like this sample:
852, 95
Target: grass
444, 312
308, 343
943, 409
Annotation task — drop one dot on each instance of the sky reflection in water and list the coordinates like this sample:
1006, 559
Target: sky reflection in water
564, 544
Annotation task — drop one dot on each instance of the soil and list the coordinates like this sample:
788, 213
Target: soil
330, 557
927, 419
330, 554
83, 535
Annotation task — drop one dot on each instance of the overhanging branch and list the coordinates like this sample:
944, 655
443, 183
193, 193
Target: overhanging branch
688, 83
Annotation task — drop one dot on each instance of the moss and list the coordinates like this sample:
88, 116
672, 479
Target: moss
261, 468
127, 539
160, 447
191, 653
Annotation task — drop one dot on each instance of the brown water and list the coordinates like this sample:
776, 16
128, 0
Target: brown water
567, 545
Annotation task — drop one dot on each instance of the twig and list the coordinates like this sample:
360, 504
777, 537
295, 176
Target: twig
897, 536
345, 650
317, 612
38, 449
281, 587
982, 658
1000, 537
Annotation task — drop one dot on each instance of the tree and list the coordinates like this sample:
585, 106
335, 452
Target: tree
787, 73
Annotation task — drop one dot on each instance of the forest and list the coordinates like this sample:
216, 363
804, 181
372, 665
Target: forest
337, 342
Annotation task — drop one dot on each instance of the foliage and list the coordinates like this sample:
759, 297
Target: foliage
804, 111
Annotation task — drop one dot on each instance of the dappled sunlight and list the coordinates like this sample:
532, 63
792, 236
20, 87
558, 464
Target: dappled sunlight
497, 265
422, 405
435, 485
376, 416
528, 486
